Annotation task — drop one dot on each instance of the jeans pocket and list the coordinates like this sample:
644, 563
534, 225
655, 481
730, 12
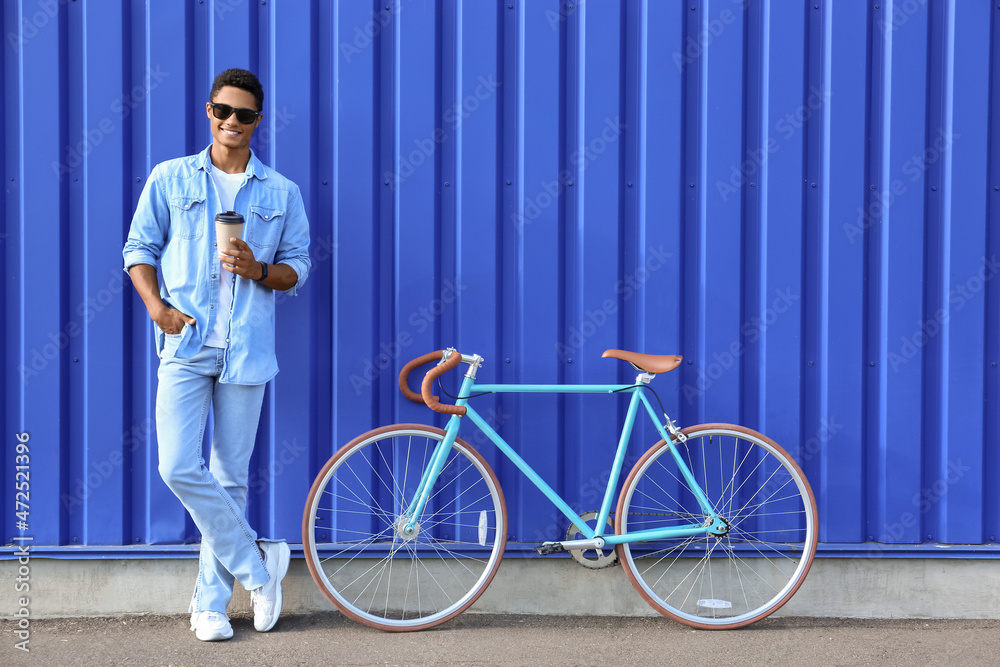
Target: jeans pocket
171, 342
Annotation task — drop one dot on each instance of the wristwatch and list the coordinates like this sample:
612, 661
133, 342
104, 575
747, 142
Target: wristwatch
263, 272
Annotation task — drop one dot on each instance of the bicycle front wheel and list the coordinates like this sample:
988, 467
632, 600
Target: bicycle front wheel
360, 556
719, 581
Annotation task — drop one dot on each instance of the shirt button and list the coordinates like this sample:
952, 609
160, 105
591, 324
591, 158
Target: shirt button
211, 307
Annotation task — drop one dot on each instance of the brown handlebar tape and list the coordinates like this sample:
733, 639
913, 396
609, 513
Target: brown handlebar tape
425, 388
405, 373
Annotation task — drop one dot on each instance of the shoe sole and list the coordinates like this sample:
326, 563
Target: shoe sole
284, 556
214, 637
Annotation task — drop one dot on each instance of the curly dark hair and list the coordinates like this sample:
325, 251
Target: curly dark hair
239, 78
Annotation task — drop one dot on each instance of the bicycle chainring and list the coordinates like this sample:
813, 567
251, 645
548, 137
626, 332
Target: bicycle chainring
593, 559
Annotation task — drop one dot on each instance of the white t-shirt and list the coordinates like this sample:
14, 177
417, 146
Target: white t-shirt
226, 185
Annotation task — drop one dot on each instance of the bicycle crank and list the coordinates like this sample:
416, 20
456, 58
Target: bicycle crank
590, 557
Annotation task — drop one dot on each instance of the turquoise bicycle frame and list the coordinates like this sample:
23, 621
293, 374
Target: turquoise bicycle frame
715, 526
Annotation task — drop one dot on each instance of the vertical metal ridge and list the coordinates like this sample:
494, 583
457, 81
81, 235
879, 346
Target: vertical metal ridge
5, 243
444, 159
457, 176
324, 392
695, 150
824, 184
512, 220
22, 321
764, 227
571, 238
514, 44
940, 120
43, 399
574, 236
83, 430
211, 36
22, 242
991, 438
147, 111
641, 173
634, 232
877, 244
388, 82
755, 214
268, 31
816, 317
824, 426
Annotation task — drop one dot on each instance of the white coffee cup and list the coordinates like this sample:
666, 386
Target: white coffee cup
228, 224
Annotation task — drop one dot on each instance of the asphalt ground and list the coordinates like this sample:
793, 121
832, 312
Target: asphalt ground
480, 639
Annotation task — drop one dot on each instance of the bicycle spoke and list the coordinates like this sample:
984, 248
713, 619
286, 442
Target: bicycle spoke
374, 502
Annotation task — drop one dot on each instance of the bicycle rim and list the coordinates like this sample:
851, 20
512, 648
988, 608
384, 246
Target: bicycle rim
732, 580
359, 556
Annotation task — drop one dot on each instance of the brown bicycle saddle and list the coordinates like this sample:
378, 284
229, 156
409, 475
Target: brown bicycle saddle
650, 363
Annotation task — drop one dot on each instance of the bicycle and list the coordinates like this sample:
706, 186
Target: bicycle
405, 526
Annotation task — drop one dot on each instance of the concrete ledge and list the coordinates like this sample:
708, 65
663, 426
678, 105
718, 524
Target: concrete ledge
836, 587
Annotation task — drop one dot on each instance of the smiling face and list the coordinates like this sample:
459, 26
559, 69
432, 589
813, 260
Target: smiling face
231, 133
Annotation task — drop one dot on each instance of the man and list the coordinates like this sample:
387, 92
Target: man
214, 329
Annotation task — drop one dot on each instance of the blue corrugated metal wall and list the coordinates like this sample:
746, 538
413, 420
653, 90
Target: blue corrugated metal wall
802, 198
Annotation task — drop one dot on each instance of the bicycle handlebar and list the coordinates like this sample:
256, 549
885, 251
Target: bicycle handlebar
425, 387
405, 373
425, 396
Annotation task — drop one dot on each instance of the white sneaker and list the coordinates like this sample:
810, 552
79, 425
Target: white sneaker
267, 599
211, 626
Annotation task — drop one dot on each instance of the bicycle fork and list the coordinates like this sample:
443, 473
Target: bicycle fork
407, 524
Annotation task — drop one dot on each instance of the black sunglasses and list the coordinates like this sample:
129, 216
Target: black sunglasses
224, 111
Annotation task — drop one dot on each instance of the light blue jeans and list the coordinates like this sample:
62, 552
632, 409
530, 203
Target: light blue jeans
215, 496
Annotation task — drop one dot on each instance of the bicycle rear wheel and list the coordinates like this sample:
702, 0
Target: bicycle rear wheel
727, 581
357, 552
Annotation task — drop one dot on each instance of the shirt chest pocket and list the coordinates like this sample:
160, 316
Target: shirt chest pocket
187, 217
265, 226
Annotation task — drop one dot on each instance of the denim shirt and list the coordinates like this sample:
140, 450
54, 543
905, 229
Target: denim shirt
174, 228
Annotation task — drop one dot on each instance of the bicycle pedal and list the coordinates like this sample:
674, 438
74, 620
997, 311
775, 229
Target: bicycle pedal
547, 548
